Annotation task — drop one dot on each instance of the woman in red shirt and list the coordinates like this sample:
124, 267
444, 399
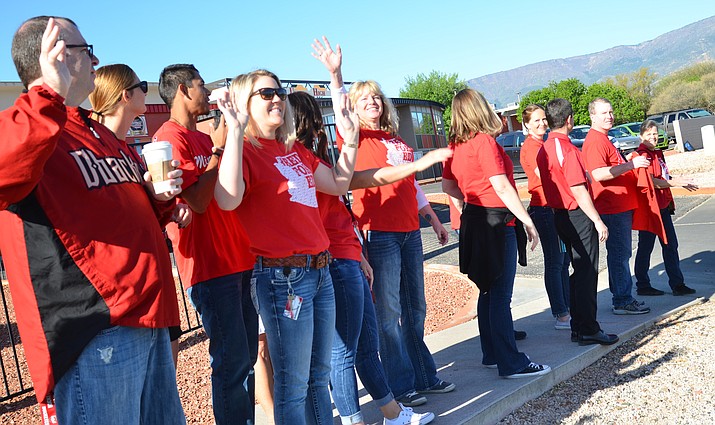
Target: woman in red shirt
271, 182
556, 262
480, 174
663, 181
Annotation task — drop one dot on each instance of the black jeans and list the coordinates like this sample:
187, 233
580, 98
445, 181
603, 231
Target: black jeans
579, 234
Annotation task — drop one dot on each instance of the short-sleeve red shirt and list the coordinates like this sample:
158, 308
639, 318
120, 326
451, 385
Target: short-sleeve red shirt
527, 157
612, 196
392, 207
471, 166
215, 244
561, 167
279, 209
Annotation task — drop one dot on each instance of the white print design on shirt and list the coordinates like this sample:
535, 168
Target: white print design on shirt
398, 152
301, 183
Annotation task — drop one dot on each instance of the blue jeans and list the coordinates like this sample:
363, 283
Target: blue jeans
231, 323
399, 287
123, 376
671, 259
618, 253
355, 343
300, 349
556, 261
496, 327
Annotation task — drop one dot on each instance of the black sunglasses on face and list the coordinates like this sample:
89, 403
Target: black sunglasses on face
268, 93
143, 86
89, 47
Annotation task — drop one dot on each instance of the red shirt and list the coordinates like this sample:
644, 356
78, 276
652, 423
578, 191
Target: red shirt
527, 158
339, 226
215, 244
612, 196
473, 162
392, 207
561, 168
659, 169
280, 209
81, 239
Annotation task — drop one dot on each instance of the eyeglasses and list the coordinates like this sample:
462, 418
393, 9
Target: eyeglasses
143, 86
268, 93
89, 48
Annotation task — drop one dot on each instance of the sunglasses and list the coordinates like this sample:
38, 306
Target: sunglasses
268, 93
89, 48
143, 86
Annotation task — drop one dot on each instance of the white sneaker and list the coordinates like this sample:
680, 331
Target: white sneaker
409, 417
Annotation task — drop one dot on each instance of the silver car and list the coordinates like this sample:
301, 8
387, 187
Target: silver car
623, 140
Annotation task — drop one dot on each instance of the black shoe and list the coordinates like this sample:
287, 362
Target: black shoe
412, 399
574, 336
598, 338
682, 290
533, 369
649, 291
519, 335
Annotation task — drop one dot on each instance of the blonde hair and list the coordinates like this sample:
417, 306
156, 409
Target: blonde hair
242, 86
471, 114
109, 84
389, 121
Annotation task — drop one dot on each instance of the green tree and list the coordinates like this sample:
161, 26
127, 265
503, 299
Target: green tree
437, 87
570, 89
625, 107
638, 84
691, 87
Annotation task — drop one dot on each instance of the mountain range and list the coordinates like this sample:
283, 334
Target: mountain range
664, 54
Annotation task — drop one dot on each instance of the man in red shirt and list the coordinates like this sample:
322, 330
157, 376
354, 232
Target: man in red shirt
88, 267
566, 189
614, 196
212, 253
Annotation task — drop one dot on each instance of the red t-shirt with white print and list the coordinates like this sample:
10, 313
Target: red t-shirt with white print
392, 207
279, 209
215, 244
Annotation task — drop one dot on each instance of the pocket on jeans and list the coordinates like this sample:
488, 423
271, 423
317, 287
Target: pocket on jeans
108, 330
254, 294
279, 277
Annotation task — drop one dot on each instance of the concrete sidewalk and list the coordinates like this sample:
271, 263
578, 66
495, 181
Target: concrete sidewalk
482, 397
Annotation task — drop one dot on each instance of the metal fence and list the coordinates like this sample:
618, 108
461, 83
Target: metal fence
15, 376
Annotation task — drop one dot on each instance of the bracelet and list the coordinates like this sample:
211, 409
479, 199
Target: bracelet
217, 151
350, 145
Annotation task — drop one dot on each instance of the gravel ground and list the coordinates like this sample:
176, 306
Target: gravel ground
663, 375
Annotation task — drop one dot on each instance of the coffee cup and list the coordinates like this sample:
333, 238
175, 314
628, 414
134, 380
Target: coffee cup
158, 156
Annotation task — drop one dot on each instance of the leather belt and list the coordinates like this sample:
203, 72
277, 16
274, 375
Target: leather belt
317, 261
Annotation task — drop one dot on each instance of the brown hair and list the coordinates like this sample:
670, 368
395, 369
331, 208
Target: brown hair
309, 123
389, 121
242, 86
526, 113
471, 114
109, 84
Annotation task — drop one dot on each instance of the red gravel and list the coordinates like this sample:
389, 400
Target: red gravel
449, 302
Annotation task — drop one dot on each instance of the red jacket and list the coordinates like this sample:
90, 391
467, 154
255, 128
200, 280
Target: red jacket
80, 238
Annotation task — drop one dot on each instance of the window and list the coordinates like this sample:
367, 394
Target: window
428, 127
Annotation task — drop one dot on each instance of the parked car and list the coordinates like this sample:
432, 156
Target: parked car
578, 135
511, 142
623, 140
634, 129
666, 119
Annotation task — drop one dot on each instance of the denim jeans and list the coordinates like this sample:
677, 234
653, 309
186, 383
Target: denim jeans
355, 343
496, 327
618, 253
671, 259
300, 349
123, 376
231, 323
399, 287
556, 261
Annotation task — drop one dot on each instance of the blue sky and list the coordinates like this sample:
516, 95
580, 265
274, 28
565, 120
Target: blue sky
382, 40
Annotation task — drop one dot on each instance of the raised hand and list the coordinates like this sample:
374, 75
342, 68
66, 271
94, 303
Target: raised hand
52, 60
234, 112
332, 60
346, 120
